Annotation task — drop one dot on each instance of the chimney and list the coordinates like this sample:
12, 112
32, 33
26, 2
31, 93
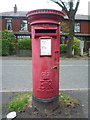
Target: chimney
15, 9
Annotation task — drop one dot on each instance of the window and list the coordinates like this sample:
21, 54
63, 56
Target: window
77, 27
22, 37
9, 24
24, 25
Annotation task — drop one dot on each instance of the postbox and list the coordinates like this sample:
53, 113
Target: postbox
45, 32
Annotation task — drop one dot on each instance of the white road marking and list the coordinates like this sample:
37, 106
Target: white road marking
73, 89
59, 65
75, 65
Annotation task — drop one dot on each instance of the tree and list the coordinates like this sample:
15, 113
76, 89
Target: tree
70, 8
7, 43
64, 27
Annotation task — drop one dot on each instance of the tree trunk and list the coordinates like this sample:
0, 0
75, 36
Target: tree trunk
71, 15
70, 38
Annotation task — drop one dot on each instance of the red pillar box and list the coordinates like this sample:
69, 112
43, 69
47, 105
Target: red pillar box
45, 29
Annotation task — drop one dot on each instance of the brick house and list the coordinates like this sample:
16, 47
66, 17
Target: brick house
16, 22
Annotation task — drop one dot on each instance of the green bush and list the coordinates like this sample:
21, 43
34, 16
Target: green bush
63, 47
25, 44
8, 43
12, 48
76, 46
5, 47
8, 35
0, 46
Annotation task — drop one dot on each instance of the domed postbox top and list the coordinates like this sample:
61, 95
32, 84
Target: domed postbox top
45, 16
45, 11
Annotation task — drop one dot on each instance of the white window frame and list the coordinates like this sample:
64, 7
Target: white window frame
25, 27
77, 27
8, 22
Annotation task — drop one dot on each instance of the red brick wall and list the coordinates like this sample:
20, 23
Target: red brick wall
16, 24
88, 27
0, 23
3, 24
84, 27
29, 28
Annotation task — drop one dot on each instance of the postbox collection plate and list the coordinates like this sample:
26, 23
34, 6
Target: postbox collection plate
45, 46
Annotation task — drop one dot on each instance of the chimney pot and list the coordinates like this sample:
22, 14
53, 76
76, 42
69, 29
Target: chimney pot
15, 9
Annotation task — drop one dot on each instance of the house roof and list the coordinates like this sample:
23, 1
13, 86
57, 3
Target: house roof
80, 17
23, 14
12, 14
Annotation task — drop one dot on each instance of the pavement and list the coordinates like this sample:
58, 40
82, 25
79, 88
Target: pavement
13, 57
81, 95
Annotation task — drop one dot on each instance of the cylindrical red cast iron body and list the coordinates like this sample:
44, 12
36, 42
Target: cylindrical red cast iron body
45, 32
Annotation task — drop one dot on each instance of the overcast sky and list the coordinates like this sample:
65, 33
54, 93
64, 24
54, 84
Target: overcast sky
27, 5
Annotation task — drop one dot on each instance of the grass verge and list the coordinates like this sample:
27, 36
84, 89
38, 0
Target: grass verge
67, 100
20, 102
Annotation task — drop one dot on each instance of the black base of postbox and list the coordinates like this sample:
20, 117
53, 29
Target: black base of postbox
45, 105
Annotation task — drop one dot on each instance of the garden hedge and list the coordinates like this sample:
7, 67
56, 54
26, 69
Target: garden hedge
24, 44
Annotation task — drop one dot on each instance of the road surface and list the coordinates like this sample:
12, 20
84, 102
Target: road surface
17, 74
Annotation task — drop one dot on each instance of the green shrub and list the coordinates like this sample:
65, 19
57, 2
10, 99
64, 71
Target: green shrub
12, 48
5, 47
63, 47
24, 44
76, 46
8, 43
0, 46
8, 35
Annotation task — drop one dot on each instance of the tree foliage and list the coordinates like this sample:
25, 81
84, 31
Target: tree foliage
7, 43
8, 35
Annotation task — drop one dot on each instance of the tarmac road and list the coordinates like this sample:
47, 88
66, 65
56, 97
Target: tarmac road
17, 74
